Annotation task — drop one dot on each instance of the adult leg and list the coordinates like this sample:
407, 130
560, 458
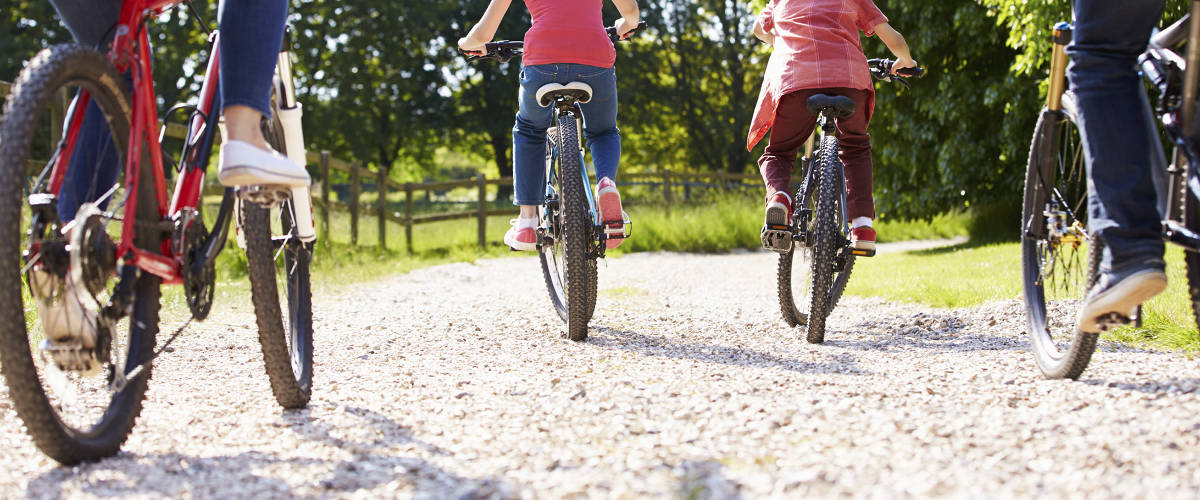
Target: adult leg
95, 164
1117, 128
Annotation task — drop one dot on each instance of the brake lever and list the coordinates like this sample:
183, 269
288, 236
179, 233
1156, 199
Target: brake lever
902, 81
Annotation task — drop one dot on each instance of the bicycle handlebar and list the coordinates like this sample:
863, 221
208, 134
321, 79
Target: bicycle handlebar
504, 50
882, 69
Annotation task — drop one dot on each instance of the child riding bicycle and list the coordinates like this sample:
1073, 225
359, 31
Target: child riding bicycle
816, 50
566, 43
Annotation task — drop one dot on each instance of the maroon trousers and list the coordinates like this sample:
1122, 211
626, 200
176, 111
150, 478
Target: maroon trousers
794, 124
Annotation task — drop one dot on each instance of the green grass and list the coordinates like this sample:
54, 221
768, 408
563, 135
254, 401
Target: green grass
970, 275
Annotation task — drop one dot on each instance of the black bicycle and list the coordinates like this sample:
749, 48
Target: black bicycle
1060, 257
815, 253
571, 236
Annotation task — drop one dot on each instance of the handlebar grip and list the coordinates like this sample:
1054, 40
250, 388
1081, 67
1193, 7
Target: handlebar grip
912, 72
612, 31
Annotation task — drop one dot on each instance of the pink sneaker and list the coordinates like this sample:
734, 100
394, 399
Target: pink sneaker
608, 201
522, 236
863, 238
779, 209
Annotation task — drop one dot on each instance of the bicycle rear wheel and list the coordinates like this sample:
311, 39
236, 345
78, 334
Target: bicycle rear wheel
550, 242
1059, 257
66, 371
794, 276
828, 275
578, 241
277, 259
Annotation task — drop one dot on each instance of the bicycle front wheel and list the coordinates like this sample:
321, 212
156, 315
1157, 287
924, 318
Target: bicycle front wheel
70, 359
578, 241
1059, 257
278, 260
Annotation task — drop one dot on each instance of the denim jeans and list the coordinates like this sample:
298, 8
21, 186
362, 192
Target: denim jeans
1119, 138
251, 36
529, 133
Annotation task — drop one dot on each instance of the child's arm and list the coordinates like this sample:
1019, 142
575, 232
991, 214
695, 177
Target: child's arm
762, 34
630, 16
485, 30
895, 43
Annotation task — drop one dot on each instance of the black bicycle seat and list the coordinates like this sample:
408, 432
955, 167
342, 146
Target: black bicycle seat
842, 104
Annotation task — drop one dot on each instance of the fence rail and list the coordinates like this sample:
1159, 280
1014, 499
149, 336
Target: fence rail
325, 164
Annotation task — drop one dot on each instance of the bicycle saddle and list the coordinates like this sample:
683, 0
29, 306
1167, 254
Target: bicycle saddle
842, 104
579, 91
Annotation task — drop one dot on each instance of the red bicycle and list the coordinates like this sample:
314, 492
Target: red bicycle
78, 380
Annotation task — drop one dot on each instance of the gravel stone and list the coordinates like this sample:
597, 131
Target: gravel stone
455, 382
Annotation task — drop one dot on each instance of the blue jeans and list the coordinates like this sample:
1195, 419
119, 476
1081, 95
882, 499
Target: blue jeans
1120, 141
529, 133
251, 36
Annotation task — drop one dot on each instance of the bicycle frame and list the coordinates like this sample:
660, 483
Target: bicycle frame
1161, 66
130, 53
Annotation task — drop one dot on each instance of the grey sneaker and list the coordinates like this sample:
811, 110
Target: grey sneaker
1116, 296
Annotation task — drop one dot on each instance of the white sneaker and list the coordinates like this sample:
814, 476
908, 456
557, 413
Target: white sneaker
66, 314
242, 164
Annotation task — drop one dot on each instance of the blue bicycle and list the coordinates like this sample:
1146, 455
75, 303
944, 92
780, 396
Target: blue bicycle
571, 235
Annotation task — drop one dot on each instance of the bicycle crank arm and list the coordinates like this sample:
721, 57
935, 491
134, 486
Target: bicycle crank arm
1176, 233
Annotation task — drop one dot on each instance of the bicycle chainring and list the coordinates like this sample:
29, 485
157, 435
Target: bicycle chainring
199, 282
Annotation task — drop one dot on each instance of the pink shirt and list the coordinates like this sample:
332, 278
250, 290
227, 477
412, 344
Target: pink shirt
567, 31
816, 46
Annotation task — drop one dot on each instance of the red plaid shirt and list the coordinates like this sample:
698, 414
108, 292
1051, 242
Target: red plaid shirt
816, 46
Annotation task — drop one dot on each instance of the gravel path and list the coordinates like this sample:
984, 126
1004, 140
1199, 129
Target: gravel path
437, 384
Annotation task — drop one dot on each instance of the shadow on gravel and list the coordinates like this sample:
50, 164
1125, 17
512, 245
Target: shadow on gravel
736, 356
376, 431
258, 475
927, 331
1171, 386
374, 442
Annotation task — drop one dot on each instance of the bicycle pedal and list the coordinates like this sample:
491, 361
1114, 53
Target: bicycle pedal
777, 238
860, 252
72, 357
615, 230
264, 195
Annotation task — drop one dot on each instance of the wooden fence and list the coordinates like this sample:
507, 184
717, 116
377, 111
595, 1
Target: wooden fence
325, 164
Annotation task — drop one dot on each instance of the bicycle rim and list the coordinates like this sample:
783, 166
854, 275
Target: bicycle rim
1059, 257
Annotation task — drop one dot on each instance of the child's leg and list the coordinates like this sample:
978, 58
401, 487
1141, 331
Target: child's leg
793, 125
600, 118
529, 138
856, 155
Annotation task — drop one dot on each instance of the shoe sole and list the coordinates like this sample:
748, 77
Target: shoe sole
1121, 299
520, 246
247, 175
608, 201
776, 215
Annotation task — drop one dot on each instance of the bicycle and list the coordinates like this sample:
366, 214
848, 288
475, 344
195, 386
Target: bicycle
816, 258
1059, 256
80, 395
571, 236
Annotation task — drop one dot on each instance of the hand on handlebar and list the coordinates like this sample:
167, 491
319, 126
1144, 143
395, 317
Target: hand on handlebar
625, 28
903, 63
471, 47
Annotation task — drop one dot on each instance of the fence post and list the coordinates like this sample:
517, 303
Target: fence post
666, 175
482, 210
355, 192
326, 183
408, 220
382, 207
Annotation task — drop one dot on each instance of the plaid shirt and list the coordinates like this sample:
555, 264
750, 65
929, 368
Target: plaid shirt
816, 46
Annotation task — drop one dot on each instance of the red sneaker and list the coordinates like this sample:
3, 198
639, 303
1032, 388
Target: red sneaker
522, 236
779, 209
608, 202
863, 238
